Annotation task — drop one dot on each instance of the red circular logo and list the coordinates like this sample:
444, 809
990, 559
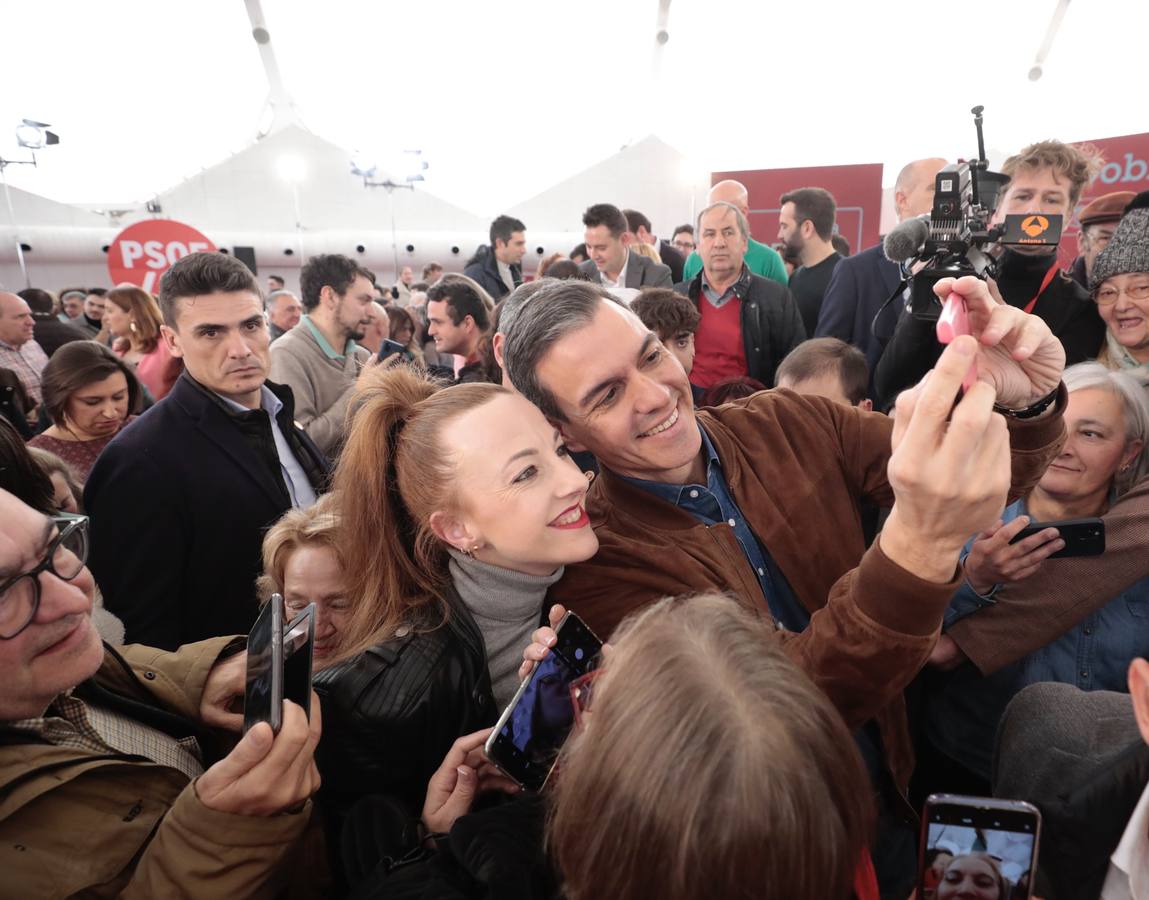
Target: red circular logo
142, 252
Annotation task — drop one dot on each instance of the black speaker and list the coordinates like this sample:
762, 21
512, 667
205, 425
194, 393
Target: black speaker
246, 255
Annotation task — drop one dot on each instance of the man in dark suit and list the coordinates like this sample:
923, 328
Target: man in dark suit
611, 263
499, 270
48, 331
639, 226
180, 499
863, 282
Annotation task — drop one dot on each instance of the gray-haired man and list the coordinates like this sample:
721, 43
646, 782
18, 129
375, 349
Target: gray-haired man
283, 312
749, 323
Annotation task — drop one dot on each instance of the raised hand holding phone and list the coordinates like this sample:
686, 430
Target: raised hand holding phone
1017, 353
950, 468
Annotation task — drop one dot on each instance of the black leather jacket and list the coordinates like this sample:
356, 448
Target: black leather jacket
391, 713
771, 323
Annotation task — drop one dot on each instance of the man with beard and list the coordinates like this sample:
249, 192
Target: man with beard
180, 499
318, 358
1046, 178
806, 226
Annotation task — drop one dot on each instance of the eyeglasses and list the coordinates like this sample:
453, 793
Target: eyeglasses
66, 556
581, 690
1107, 296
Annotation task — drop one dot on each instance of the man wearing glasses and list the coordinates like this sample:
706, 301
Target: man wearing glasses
107, 789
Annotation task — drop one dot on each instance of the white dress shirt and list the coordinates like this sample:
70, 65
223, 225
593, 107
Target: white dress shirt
621, 280
1128, 877
302, 494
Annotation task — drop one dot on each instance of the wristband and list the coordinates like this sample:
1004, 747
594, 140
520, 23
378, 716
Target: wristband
1029, 412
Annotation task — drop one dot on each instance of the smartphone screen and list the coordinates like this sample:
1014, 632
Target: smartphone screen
978, 846
528, 736
298, 641
389, 348
263, 694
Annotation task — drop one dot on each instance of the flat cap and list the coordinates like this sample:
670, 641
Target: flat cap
1106, 208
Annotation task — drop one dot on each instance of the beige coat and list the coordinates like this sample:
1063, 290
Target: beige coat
75, 824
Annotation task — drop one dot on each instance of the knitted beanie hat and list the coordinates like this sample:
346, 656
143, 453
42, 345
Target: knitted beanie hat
1128, 249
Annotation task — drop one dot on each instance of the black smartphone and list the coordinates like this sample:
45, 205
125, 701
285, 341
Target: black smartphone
389, 348
263, 694
529, 734
298, 644
1083, 537
978, 846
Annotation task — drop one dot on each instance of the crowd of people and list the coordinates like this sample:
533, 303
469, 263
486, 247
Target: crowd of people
742, 465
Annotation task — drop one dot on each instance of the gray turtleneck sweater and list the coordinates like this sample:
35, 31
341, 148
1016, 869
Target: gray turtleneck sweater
507, 606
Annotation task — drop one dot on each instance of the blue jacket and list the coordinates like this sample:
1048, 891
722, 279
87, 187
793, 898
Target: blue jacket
857, 289
1094, 655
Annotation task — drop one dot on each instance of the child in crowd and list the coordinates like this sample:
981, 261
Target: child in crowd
674, 319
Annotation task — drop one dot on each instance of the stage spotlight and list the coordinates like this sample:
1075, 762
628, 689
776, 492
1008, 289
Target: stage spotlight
32, 135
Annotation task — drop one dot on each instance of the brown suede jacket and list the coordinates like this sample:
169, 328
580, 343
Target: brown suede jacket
798, 468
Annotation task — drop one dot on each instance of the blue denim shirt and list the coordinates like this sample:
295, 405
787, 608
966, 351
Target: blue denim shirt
1094, 655
712, 504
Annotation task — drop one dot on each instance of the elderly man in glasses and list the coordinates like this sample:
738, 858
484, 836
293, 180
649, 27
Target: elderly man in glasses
106, 788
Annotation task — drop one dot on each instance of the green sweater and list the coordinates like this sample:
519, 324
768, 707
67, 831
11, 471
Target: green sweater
760, 259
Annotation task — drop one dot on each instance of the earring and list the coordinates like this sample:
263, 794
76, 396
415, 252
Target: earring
132, 326
470, 553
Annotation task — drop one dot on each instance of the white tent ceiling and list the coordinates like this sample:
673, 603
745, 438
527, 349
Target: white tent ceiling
507, 99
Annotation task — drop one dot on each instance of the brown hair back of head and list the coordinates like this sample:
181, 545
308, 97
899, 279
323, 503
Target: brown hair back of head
711, 767
392, 475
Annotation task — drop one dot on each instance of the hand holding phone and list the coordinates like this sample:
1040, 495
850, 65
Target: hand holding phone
1001, 555
532, 729
279, 662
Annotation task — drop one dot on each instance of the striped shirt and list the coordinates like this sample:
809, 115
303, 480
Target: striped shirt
27, 361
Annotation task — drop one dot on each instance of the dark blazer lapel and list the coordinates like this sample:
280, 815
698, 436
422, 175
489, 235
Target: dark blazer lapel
635, 270
214, 425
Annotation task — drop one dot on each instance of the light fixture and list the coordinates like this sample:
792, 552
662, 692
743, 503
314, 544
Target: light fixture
362, 165
32, 135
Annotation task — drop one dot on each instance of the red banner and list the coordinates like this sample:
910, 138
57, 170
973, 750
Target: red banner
1126, 169
142, 252
857, 190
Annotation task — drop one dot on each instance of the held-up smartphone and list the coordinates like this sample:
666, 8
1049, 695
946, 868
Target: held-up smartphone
529, 734
263, 695
975, 845
298, 643
1083, 537
389, 348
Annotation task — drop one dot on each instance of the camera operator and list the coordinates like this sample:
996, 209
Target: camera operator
1046, 178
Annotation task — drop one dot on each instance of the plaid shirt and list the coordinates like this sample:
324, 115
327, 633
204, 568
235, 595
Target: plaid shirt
27, 361
71, 723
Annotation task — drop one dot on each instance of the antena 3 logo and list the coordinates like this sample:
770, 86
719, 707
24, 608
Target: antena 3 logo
1131, 170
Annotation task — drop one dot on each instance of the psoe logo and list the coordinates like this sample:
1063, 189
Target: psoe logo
1035, 225
1132, 170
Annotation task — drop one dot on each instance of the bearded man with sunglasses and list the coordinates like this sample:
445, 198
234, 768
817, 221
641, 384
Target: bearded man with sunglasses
107, 788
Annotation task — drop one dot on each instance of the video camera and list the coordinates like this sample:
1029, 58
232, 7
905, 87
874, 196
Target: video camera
955, 240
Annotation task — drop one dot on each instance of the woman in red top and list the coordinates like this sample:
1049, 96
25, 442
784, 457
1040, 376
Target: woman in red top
89, 394
133, 317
